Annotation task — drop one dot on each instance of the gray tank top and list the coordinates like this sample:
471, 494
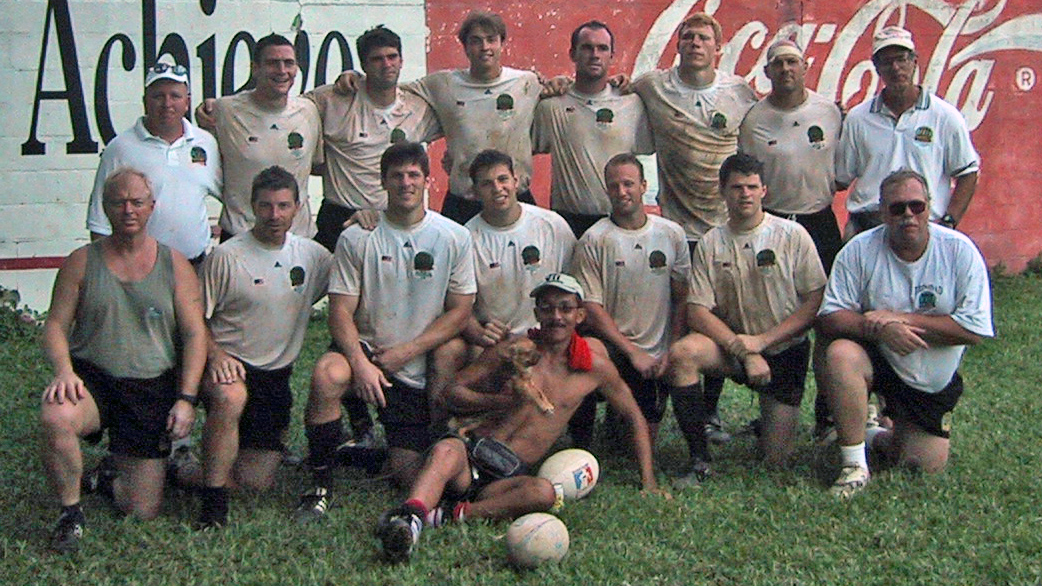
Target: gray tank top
127, 329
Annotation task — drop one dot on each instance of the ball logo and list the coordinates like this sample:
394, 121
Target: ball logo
583, 477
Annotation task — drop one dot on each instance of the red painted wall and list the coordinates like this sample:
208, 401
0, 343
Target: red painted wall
992, 52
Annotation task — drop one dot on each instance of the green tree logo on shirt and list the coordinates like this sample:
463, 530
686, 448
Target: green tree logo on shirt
530, 256
815, 134
605, 116
423, 264
657, 260
296, 276
397, 135
718, 121
198, 155
505, 102
295, 141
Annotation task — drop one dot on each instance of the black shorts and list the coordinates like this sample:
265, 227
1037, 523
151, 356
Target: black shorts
460, 209
927, 410
133, 410
330, 223
489, 460
824, 231
407, 416
651, 394
580, 223
788, 374
266, 416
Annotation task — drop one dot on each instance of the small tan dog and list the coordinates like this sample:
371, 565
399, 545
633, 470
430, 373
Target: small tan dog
518, 357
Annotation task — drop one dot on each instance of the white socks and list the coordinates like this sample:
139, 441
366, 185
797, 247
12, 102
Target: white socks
854, 455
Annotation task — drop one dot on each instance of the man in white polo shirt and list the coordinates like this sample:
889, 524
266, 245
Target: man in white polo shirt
589, 124
180, 159
904, 127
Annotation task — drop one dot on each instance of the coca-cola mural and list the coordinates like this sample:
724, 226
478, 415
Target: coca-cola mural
983, 56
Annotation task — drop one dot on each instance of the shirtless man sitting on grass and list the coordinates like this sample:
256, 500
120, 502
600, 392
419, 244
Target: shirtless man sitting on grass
486, 473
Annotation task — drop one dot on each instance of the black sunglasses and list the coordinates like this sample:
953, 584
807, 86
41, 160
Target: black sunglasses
898, 208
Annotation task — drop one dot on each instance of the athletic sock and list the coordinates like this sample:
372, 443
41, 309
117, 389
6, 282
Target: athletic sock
417, 507
215, 505
854, 455
73, 511
323, 440
689, 409
461, 511
713, 389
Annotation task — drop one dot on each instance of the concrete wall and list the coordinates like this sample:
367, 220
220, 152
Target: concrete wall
984, 56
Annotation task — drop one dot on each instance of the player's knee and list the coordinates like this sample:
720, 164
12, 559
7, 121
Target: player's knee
226, 401
447, 453
842, 354
541, 493
57, 420
683, 357
142, 506
330, 378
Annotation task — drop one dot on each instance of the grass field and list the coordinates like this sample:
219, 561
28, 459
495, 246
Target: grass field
977, 523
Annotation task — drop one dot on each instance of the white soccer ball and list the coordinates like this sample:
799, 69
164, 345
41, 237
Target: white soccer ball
536, 538
575, 470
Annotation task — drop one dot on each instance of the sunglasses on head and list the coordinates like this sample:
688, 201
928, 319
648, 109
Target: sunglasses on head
898, 208
164, 67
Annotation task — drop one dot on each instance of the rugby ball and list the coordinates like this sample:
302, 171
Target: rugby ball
575, 470
536, 538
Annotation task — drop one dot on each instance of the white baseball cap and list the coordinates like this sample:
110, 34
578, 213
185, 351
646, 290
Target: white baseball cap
562, 281
160, 71
892, 36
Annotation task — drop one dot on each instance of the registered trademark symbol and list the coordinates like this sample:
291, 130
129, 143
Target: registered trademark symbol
1025, 78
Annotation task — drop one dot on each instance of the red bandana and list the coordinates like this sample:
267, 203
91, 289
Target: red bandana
579, 355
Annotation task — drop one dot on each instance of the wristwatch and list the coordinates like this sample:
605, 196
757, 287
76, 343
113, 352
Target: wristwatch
948, 220
192, 400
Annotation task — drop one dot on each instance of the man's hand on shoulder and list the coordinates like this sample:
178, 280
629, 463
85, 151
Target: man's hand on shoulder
367, 219
555, 86
348, 82
205, 117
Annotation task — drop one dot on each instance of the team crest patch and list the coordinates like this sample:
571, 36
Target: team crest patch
198, 155
816, 136
766, 258
505, 104
927, 300
657, 260
423, 264
718, 121
924, 134
531, 256
397, 135
295, 141
296, 278
605, 116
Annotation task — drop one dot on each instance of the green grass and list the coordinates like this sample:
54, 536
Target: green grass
977, 523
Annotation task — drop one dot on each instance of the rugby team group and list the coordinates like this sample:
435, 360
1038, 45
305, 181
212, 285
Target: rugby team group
482, 334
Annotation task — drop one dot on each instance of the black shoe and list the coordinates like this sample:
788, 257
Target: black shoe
68, 532
398, 531
210, 522
100, 479
214, 512
699, 472
353, 454
313, 505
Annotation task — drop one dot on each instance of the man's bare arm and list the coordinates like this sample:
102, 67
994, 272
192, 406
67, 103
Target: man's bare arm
962, 193
602, 323
619, 396
65, 385
367, 378
795, 325
472, 392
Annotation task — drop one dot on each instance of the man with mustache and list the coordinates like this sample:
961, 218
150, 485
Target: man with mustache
903, 302
904, 127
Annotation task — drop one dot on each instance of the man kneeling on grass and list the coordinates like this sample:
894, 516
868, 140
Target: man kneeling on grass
482, 470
